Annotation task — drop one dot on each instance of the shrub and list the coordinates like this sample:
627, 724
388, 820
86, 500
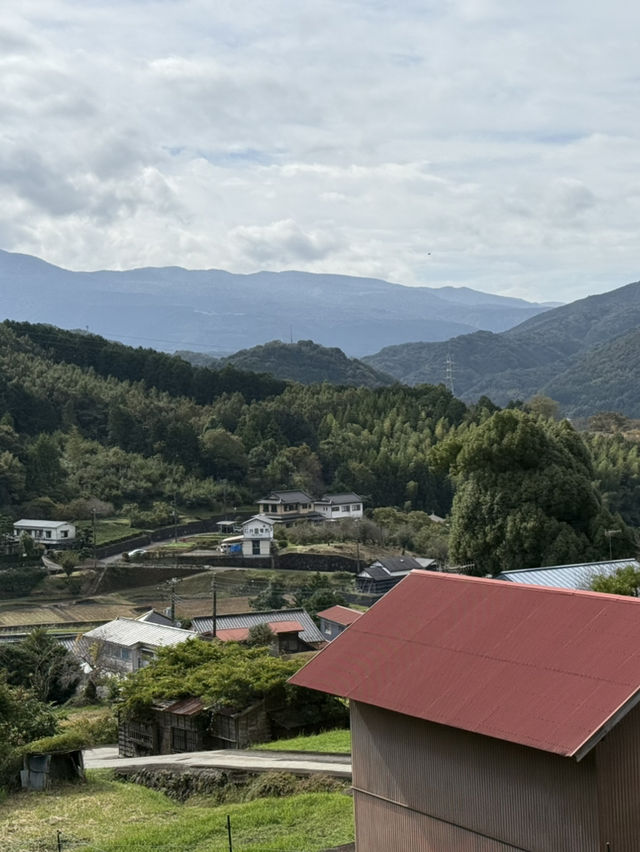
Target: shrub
271, 785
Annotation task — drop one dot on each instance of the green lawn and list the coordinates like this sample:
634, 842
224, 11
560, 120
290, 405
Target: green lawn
110, 816
338, 741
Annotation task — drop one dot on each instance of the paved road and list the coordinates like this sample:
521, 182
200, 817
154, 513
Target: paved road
302, 763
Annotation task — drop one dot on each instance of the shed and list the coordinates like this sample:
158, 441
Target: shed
41, 771
172, 727
491, 716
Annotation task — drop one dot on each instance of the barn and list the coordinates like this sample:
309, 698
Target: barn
489, 716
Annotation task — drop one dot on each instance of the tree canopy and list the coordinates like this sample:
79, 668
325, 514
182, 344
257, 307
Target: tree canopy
525, 496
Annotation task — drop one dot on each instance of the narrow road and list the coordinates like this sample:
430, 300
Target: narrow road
300, 763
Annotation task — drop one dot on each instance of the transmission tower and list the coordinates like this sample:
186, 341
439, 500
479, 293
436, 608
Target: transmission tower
449, 372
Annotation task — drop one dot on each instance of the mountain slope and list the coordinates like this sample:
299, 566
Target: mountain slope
305, 361
559, 353
219, 312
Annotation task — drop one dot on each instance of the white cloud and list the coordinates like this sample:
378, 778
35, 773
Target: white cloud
470, 141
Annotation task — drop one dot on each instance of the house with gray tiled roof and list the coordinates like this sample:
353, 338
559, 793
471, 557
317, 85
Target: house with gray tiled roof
384, 573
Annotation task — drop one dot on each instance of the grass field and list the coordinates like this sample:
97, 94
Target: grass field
108, 816
338, 742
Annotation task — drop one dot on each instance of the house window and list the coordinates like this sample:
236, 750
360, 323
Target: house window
356, 507
64, 534
346, 508
335, 508
255, 548
48, 534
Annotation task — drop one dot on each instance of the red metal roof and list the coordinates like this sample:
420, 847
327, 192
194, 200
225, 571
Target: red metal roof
340, 614
285, 626
241, 634
233, 634
548, 668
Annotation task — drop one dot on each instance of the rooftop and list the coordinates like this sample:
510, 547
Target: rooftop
547, 668
340, 614
578, 576
45, 525
310, 633
130, 632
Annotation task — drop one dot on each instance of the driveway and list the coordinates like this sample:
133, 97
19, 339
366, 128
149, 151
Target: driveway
299, 763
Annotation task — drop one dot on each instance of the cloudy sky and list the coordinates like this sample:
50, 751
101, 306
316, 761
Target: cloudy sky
479, 142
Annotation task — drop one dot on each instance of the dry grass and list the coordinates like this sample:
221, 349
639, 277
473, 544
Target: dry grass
106, 816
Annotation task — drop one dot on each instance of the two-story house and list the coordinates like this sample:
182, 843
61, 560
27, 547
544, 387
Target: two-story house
257, 535
290, 506
336, 507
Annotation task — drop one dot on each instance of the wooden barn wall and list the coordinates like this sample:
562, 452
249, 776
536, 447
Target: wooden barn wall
516, 796
618, 763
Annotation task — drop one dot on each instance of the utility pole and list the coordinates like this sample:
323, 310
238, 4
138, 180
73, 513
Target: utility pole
609, 534
175, 519
93, 527
214, 605
173, 582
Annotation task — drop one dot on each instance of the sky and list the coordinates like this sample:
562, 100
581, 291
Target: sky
483, 143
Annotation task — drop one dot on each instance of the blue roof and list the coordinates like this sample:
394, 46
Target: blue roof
577, 576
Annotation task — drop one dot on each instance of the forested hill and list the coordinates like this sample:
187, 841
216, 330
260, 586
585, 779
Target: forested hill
158, 370
558, 353
71, 432
305, 361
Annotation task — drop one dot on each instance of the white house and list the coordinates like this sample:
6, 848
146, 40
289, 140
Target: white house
290, 506
257, 534
127, 644
336, 507
45, 531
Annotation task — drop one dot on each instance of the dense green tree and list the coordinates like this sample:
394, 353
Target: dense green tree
23, 718
525, 497
42, 665
625, 581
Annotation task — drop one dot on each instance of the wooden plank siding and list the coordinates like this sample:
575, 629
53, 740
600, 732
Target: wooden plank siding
466, 791
618, 763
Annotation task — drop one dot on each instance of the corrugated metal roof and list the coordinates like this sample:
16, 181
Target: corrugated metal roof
546, 668
185, 707
240, 634
577, 576
45, 525
129, 632
310, 633
340, 614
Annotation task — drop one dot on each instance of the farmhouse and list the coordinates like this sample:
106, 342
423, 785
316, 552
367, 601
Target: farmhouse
48, 532
126, 644
384, 574
489, 716
290, 506
296, 621
336, 507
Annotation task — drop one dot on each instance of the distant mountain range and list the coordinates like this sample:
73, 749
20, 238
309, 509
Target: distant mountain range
218, 312
305, 362
585, 355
